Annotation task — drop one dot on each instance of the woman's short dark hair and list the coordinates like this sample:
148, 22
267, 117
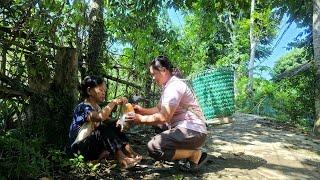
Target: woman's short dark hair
89, 82
161, 62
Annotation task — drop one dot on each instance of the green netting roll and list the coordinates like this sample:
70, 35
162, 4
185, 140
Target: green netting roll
214, 90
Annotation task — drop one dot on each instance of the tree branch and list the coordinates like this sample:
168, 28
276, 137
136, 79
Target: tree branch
7, 93
123, 81
293, 72
16, 86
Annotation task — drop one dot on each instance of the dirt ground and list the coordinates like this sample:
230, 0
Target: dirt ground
249, 148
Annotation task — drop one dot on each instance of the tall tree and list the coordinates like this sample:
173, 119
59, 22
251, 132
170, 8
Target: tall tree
96, 37
253, 45
316, 50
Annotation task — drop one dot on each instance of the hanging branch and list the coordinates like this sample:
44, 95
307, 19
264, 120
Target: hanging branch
10, 87
8, 93
122, 81
293, 72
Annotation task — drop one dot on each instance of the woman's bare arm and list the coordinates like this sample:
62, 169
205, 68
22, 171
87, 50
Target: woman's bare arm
163, 116
147, 111
103, 115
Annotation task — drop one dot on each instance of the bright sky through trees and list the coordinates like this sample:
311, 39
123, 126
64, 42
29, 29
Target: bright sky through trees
280, 50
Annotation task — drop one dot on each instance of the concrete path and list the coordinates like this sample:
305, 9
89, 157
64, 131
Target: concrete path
254, 148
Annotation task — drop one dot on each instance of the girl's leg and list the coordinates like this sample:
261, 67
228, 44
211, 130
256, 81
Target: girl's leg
124, 161
104, 154
127, 149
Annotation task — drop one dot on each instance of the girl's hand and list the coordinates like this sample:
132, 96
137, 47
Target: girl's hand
123, 125
121, 100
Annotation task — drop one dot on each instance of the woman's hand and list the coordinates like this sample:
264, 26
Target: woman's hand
133, 117
137, 108
120, 100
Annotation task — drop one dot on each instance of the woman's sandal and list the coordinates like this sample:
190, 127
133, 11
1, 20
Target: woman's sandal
190, 166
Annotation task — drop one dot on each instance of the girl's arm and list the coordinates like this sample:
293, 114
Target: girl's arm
103, 115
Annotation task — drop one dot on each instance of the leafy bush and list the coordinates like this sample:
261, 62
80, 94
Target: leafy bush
261, 102
9, 112
81, 167
58, 160
290, 100
21, 157
296, 99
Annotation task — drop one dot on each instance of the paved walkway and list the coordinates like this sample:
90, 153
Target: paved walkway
254, 148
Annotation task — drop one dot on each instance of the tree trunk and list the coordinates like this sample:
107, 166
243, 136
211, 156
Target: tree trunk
64, 95
4, 49
96, 38
316, 50
3, 59
38, 107
253, 44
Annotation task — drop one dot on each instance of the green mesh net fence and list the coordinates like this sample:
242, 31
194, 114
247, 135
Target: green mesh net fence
214, 90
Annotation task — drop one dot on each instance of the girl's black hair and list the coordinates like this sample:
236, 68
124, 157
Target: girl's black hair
161, 62
89, 82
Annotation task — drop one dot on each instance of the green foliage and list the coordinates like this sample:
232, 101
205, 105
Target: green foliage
297, 92
292, 59
78, 162
58, 160
263, 96
178, 177
265, 27
216, 33
237, 53
81, 167
299, 12
9, 112
290, 101
21, 157
296, 97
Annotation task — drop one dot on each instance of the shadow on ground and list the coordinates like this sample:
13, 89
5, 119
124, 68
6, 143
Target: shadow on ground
168, 170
